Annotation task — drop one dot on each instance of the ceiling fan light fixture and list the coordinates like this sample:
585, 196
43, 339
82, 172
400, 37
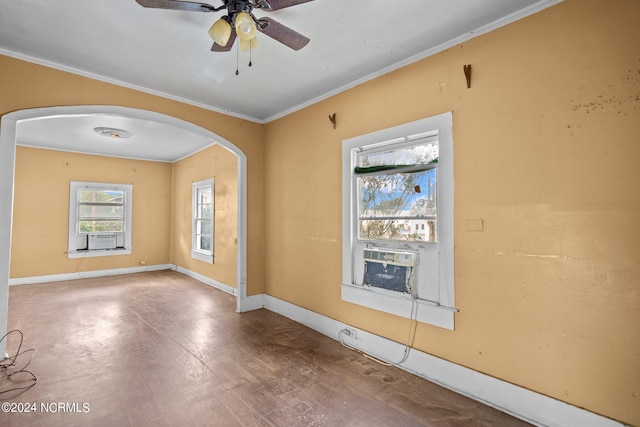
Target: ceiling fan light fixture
245, 27
220, 31
246, 45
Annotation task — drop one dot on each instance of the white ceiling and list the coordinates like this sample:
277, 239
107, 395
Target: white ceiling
167, 52
149, 140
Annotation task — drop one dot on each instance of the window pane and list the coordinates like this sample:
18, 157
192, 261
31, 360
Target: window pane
423, 230
102, 196
204, 195
204, 227
102, 211
87, 226
399, 206
414, 155
205, 211
204, 243
397, 194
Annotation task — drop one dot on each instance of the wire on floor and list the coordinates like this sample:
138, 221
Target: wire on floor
413, 326
13, 366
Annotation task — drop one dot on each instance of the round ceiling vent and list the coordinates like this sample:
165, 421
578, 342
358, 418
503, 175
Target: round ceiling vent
113, 132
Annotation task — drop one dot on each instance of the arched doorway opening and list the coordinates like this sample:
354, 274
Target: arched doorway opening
9, 124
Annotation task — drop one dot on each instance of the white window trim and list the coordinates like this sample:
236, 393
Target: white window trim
440, 312
72, 251
204, 256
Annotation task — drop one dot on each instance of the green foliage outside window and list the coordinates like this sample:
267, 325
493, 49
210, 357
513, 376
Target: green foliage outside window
397, 193
100, 210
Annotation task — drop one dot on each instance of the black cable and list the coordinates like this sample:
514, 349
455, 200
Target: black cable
9, 366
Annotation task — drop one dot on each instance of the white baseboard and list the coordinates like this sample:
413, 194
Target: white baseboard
522, 403
87, 274
118, 271
525, 404
253, 302
206, 280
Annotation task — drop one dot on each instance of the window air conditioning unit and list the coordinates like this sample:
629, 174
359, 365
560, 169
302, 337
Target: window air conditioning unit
389, 270
102, 241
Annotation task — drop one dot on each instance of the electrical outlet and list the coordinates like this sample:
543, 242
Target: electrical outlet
351, 333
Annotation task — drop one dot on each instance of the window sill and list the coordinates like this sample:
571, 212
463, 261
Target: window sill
98, 253
399, 305
201, 256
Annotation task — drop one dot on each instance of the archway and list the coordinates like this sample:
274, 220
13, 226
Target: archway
8, 133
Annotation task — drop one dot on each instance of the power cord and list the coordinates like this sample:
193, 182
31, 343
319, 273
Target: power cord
10, 366
413, 326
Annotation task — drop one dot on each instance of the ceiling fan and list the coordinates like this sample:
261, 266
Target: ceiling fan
240, 22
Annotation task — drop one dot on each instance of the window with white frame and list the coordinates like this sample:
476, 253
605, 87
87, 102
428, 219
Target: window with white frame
99, 219
398, 220
203, 220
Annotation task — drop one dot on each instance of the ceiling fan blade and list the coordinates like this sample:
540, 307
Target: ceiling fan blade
178, 5
283, 34
217, 48
280, 4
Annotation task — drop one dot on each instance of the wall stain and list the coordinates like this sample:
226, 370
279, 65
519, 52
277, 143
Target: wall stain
523, 254
323, 239
529, 255
614, 97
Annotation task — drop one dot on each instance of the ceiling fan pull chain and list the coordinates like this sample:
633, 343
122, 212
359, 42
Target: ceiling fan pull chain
237, 58
250, 44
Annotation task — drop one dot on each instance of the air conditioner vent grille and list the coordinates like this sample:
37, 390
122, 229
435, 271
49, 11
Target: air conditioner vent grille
389, 270
102, 241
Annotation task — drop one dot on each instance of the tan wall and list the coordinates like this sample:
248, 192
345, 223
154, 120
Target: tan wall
41, 210
547, 150
218, 163
24, 85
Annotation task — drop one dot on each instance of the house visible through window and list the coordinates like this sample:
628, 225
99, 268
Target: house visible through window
398, 220
397, 191
203, 220
99, 219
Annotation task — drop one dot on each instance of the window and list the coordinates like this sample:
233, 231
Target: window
398, 220
203, 224
396, 187
99, 219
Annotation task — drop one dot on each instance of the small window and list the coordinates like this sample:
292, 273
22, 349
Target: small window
99, 219
203, 220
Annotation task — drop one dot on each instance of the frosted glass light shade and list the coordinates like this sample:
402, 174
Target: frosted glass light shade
248, 44
220, 32
245, 27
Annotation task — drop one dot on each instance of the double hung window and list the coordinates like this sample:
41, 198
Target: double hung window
203, 224
398, 220
99, 219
